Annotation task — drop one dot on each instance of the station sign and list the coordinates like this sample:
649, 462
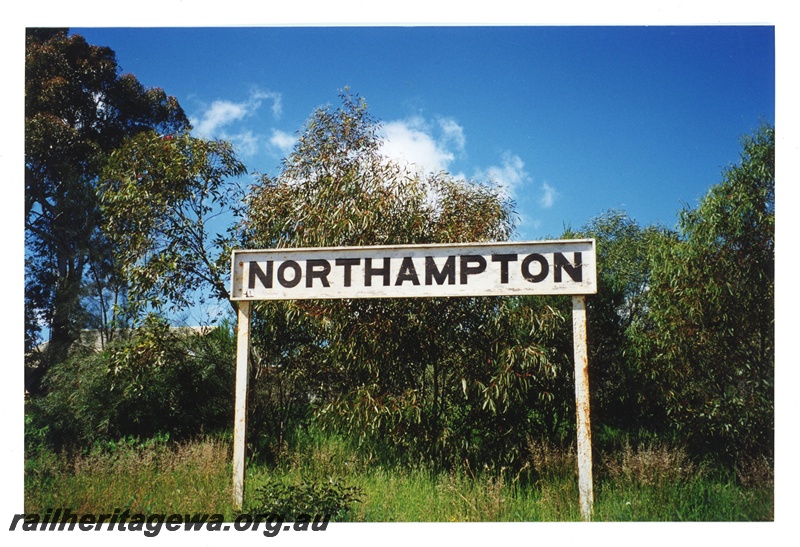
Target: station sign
405, 271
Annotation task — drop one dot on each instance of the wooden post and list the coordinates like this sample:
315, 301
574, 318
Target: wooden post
240, 410
582, 406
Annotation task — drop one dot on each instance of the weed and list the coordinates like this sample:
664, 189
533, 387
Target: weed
548, 461
755, 471
655, 464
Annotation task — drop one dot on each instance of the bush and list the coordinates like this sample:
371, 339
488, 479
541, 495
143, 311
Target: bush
156, 382
332, 500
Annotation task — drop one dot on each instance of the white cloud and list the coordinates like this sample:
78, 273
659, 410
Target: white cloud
433, 146
527, 223
453, 133
425, 146
277, 101
218, 115
212, 122
548, 196
246, 143
509, 176
283, 141
512, 177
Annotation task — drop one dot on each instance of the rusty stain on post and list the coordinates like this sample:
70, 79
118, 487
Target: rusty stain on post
240, 411
582, 406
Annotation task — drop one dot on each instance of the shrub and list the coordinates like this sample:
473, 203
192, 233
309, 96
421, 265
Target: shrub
156, 382
332, 499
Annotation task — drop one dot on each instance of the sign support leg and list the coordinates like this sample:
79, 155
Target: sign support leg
582, 406
240, 410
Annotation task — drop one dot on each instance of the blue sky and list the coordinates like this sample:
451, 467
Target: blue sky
571, 121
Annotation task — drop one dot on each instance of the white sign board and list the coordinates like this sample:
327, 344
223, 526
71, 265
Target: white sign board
476, 269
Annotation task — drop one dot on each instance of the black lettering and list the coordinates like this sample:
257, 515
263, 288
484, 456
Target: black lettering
348, 264
407, 272
467, 270
122, 518
370, 272
298, 274
195, 522
264, 277
273, 526
136, 523
320, 523
242, 522
317, 269
258, 519
154, 523
504, 260
101, 519
574, 268
86, 522
447, 273
68, 515
215, 522
113, 520
32, 520
302, 522
18, 517
45, 520
173, 522
543, 265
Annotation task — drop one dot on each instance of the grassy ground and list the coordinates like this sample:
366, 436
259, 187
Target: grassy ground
654, 484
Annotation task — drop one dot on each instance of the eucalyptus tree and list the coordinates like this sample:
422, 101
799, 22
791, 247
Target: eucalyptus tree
434, 375
167, 203
623, 389
78, 108
710, 333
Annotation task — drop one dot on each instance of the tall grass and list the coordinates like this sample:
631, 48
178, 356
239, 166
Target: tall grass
651, 483
149, 477
658, 482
